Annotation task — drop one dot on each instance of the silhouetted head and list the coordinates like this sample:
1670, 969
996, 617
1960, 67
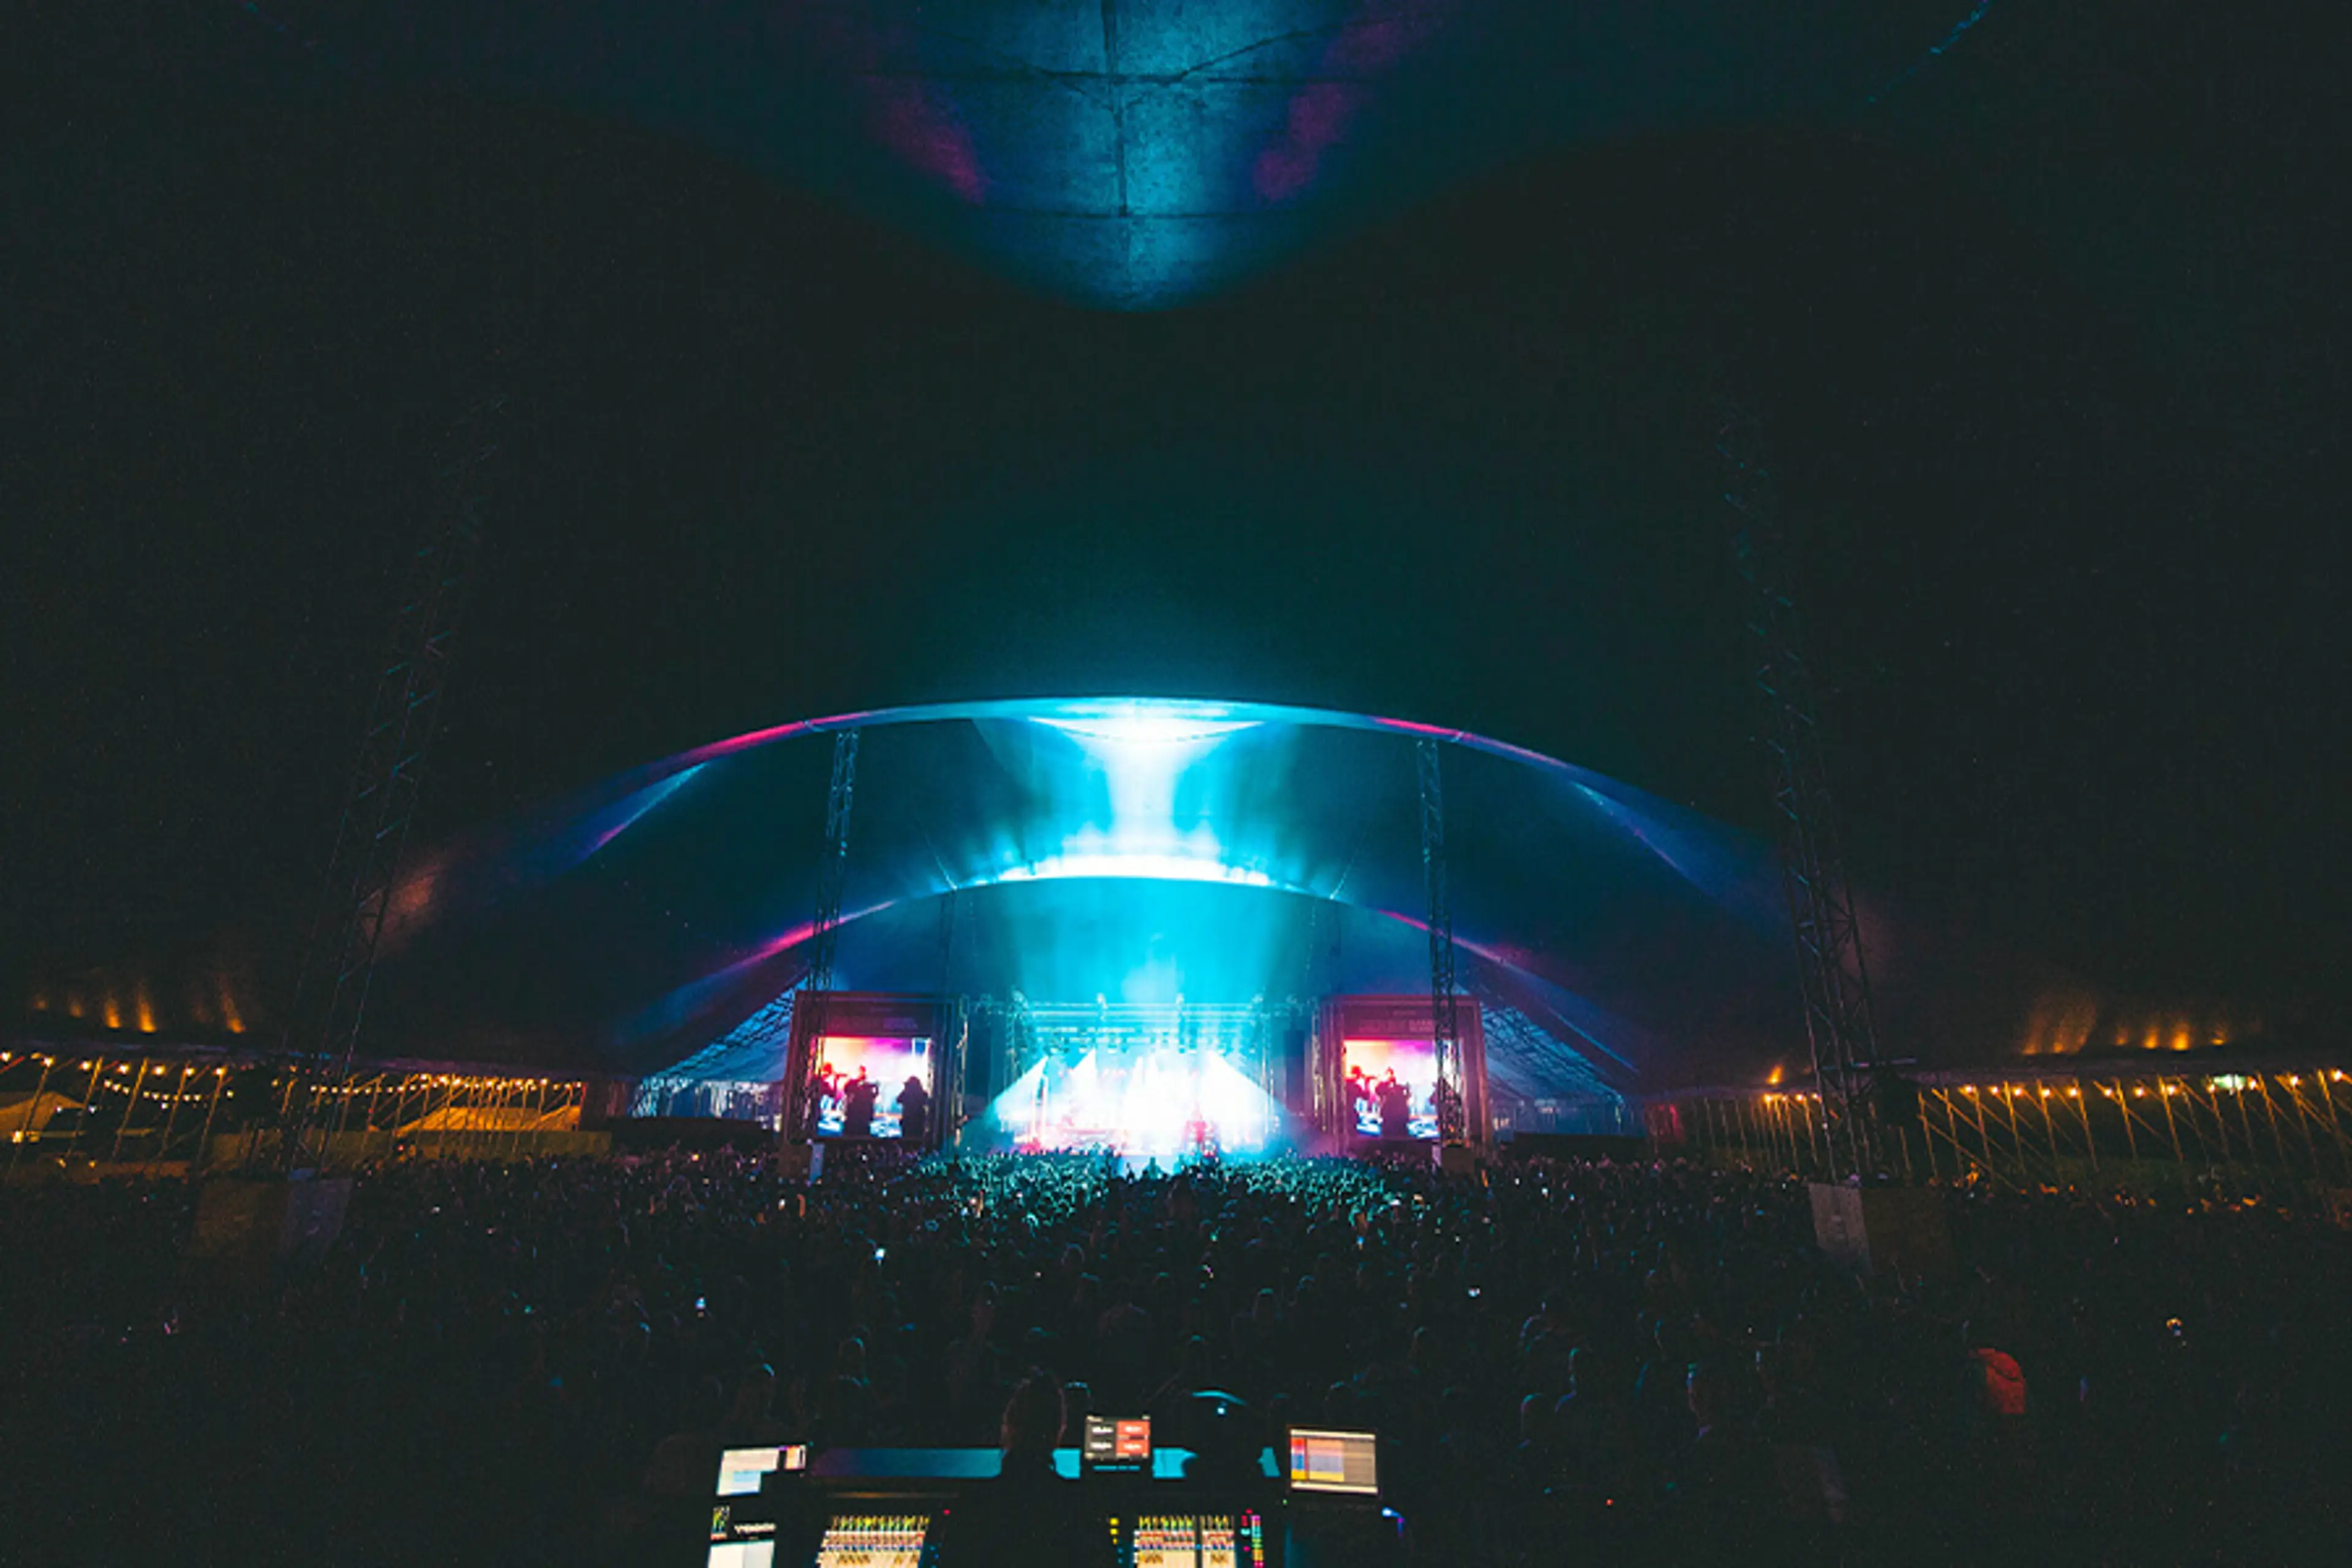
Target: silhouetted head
1032, 1419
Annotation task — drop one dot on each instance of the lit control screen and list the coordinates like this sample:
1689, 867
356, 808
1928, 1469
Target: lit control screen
1117, 1442
1335, 1462
740, 1470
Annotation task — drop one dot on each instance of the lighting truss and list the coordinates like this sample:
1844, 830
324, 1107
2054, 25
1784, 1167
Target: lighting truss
832, 874
395, 744
1831, 973
1445, 1024
1236, 1029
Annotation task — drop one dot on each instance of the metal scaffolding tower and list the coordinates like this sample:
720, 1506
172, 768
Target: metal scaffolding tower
323, 1026
833, 869
824, 930
1445, 1025
1833, 977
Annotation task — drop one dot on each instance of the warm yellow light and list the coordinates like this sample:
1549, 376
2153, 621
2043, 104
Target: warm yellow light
2292, 1081
1967, 1088
2074, 1094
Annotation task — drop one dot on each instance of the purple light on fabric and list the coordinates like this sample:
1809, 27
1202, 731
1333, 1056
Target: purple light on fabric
1491, 955
755, 738
643, 801
929, 140
1319, 116
901, 110
1378, 38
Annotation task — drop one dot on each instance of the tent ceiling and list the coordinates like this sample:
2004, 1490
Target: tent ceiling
1086, 841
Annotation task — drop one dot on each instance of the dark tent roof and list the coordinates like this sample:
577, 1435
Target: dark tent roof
1130, 153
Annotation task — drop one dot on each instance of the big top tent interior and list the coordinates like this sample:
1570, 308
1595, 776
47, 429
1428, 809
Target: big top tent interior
1145, 853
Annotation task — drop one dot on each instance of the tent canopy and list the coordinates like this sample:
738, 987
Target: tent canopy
1141, 849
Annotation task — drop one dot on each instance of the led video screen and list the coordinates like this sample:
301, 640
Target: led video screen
1390, 1087
866, 1087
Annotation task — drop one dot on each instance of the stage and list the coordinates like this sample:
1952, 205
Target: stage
1142, 1081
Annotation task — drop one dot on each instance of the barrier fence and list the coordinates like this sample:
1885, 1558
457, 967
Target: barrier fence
2028, 1131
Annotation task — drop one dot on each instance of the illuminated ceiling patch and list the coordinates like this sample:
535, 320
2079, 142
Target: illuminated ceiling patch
1119, 727
1136, 867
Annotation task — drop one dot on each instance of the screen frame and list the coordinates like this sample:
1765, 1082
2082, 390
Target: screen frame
775, 1454
885, 1111
1131, 1464
1290, 1481
1420, 1053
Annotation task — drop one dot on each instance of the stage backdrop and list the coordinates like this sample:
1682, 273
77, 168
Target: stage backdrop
1363, 1042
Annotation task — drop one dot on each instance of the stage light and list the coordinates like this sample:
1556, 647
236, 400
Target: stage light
1143, 867
1139, 751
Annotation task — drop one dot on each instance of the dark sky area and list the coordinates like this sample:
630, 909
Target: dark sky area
2051, 359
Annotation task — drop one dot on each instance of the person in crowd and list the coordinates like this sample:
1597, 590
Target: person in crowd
489, 1342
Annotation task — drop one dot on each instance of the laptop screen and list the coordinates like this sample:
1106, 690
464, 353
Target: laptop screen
1346, 1462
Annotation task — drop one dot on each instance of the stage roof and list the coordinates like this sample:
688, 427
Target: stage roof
1141, 849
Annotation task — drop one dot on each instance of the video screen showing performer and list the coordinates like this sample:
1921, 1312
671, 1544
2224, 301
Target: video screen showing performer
1390, 1088
874, 1087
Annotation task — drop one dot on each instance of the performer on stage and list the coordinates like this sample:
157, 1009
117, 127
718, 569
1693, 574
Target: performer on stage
1199, 1137
1396, 1107
857, 1098
914, 1110
825, 1096
1359, 1097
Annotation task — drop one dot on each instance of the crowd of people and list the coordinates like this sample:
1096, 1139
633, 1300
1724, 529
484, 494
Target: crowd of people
540, 1361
